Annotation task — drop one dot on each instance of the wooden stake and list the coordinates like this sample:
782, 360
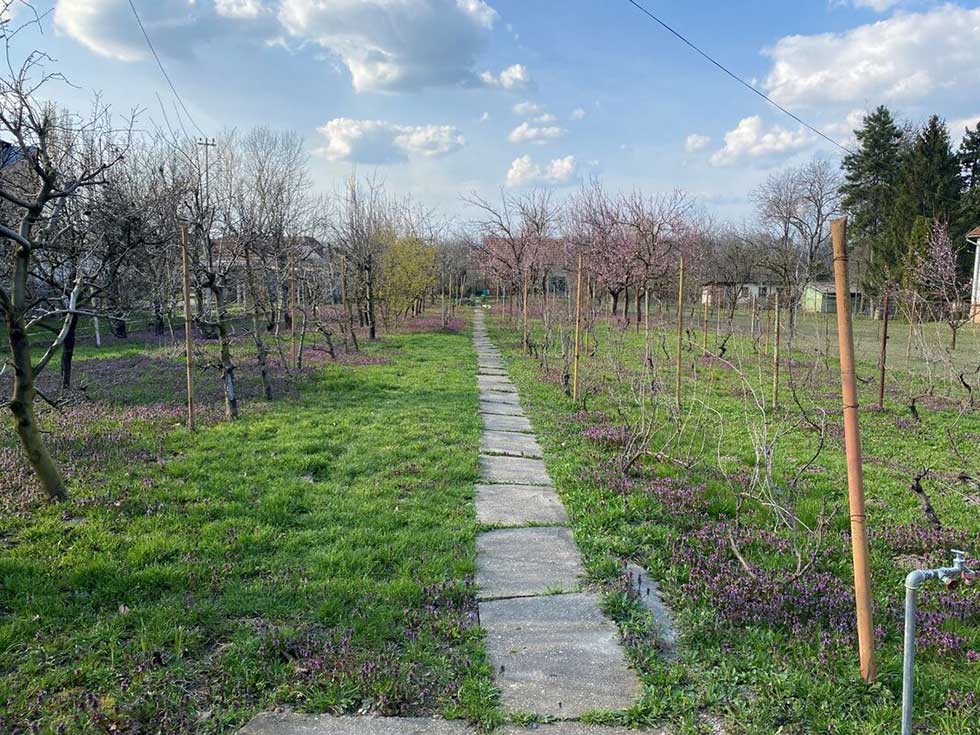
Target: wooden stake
188, 336
680, 334
852, 443
775, 358
292, 313
578, 327
884, 353
704, 323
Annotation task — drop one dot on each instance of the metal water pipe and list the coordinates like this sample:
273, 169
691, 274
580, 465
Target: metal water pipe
950, 576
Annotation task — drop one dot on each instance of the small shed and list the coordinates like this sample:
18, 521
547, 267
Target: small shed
821, 298
721, 293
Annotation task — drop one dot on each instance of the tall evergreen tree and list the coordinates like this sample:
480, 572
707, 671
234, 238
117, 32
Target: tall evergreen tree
970, 164
970, 158
872, 176
930, 185
931, 175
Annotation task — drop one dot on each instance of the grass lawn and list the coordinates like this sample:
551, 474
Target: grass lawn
318, 553
772, 655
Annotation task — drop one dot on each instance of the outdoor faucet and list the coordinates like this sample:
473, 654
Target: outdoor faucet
951, 577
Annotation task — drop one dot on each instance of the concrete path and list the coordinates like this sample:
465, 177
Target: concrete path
284, 723
554, 652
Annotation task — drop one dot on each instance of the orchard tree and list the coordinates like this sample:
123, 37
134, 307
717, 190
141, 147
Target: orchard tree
515, 235
939, 280
51, 160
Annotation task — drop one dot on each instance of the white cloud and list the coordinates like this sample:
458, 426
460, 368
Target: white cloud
903, 59
514, 78
958, 127
484, 117
527, 109
879, 6
750, 140
177, 27
526, 133
578, 114
558, 172
397, 45
696, 142
239, 8
379, 142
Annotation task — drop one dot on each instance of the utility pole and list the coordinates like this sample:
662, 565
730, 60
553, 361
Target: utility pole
188, 336
207, 144
852, 444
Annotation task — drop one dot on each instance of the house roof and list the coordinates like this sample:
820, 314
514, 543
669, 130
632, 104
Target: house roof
830, 287
973, 234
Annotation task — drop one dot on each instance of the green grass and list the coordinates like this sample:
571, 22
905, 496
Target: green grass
761, 678
317, 554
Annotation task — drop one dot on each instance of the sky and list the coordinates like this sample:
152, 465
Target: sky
444, 98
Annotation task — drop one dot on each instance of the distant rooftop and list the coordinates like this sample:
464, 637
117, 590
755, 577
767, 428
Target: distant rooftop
974, 234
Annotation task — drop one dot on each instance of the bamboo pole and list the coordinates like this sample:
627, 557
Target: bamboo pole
188, 320
578, 327
680, 334
884, 353
775, 357
852, 443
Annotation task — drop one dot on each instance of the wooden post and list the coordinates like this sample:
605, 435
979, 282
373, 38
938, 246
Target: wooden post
292, 313
775, 357
525, 342
578, 327
646, 327
852, 443
704, 323
752, 323
680, 334
884, 353
188, 320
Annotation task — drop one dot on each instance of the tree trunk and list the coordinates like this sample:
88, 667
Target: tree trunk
261, 354
24, 391
372, 315
615, 302
227, 366
68, 352
119, 328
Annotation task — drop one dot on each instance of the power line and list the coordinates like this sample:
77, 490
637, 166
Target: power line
735, 76
163, 71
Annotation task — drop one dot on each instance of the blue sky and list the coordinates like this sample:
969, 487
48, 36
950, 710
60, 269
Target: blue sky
443, 97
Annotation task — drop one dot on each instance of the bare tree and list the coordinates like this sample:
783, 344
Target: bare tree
796, 207
56, 157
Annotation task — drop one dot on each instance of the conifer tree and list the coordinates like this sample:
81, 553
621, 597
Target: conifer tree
872, 174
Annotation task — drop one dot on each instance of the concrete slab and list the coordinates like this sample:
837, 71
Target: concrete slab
648, 593
498, 422
501, 409
511, 443
493, 371
500, 383
274, 723
513, 471
498, 397
520, 562
557, 656
518, 505
574, 728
